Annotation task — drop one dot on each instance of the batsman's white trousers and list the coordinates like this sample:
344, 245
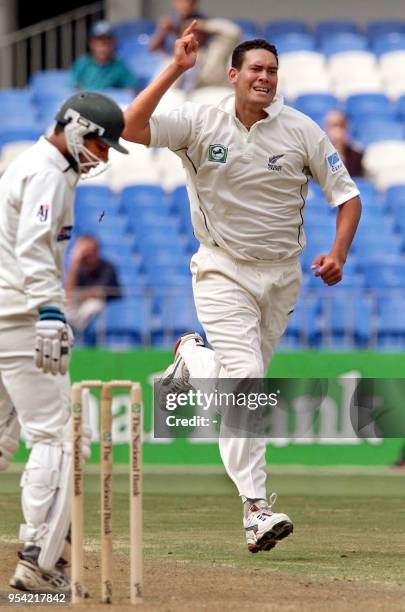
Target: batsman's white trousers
42, 402
244, 308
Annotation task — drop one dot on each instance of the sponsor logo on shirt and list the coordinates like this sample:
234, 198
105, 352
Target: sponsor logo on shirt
42, 214
65, 233
218, 153
334, 162
273, 165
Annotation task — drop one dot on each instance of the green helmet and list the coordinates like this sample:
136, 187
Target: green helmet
94, 114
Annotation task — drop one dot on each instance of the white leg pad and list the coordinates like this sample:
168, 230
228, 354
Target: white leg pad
46, 501
9, 437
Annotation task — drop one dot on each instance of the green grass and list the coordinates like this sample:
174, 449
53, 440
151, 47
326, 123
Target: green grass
346, 525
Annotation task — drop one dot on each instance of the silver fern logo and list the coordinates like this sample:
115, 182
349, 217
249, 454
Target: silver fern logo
272, 164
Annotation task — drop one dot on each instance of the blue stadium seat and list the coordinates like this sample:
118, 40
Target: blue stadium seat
280, 27
131, 28
18, 119
302, 329
111, 224
348, 316
145, 65
388, 42
93, 193
382, 27
128, 321
119, 256
346, 41
373, 250
152, 251
17, 134
17, 109
377, 130
316, 103
123, 97
289, 43
47, 81
149, 196
391, 323
129, 47
379, 275
395, 196
400, 107
249, 28
178, 316
366, 187
366, 103
328, 27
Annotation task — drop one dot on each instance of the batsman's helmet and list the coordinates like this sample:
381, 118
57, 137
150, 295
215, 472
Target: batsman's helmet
96, 114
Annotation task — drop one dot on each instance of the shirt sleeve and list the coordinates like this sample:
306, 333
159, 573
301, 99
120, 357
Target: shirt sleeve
41, 213
174, 130
330, 172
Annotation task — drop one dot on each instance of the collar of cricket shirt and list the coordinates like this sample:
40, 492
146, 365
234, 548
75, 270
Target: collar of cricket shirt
59, 160
227, 104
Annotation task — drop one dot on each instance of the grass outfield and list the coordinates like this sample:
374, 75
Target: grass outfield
348, 526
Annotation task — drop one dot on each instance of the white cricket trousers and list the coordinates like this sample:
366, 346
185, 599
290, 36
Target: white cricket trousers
244, 308
42, 402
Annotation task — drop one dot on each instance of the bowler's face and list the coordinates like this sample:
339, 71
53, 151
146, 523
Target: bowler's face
256, 81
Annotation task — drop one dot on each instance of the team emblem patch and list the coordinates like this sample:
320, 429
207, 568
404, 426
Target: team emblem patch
217, 153
334, 162
43, 212
273, 165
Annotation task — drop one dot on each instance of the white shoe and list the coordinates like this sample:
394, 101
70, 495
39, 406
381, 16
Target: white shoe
29, 577
176, 378
263, 527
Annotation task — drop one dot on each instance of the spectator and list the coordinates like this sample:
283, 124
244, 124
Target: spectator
216, 40
337, 130
100, 68
90, 282
169, 26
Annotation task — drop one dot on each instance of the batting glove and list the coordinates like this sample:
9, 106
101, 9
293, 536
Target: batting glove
54, 339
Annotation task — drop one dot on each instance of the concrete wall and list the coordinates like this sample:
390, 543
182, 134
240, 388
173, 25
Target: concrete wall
311, 11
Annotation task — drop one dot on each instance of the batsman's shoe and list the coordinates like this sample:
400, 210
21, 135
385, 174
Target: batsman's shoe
263, 527
29, 577
176, 378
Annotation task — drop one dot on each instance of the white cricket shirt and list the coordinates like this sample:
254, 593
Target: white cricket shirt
36, 219
247, 188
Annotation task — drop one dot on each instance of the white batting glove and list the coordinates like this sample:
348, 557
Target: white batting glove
54, 339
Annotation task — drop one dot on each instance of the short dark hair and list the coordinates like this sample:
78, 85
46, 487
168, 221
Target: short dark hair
238, 54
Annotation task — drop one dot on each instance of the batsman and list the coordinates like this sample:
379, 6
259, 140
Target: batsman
36, 220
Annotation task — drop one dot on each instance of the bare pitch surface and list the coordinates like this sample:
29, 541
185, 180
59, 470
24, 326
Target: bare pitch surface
347, 549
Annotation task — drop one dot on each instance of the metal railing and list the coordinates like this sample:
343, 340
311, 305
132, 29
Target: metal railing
50, 44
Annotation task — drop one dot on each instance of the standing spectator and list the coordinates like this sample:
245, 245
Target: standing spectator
90, 282
337, 129
100, 68
169, 26
248, 160
216, 39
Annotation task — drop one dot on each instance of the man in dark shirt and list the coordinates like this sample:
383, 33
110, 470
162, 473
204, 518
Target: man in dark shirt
337, 130
90, 282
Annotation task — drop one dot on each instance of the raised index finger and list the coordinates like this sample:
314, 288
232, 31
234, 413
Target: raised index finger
189, 29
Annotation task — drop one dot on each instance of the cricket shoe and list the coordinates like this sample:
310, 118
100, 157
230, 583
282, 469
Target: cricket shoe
176, 378
29, 576
263, 527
